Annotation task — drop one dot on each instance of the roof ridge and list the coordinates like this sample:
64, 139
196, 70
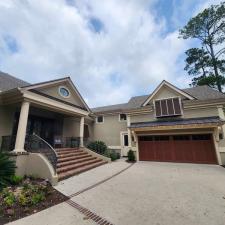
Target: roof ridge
45, 82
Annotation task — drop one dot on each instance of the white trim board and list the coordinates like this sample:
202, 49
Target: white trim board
165, 83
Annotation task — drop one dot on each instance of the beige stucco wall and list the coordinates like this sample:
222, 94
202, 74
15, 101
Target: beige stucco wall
54, 91
35, 164
109, 131
222, 155
142, 117
6, 120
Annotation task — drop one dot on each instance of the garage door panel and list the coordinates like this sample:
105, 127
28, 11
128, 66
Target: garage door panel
182, 151
187, 149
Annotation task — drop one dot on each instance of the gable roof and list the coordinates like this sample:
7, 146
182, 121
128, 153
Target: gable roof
199, 93
57, 81
165, 83
8, 82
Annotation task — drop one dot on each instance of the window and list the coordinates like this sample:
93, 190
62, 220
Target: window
168, 107
100, 119
123, 117
181, 137
64, 92
125, 140
201, 137
162, 138
146, 138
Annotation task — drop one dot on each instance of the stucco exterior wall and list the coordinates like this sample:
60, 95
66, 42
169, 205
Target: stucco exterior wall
54, 91
6, 120
222, 155
109, 131
142, 117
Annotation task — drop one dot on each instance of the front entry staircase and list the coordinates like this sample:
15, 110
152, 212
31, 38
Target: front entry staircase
72, 161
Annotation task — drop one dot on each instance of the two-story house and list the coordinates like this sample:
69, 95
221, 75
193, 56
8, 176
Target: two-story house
168, 125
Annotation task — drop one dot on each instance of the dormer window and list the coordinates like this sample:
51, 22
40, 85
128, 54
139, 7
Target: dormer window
168, 107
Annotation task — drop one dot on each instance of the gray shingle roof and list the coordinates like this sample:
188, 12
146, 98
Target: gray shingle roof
204, 93
204, 120
8, 82
200, 93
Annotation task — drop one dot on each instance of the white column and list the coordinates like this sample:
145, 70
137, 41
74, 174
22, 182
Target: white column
82, 132
222, 116
129, 132
22, 126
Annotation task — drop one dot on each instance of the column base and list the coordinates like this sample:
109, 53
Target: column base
19, 151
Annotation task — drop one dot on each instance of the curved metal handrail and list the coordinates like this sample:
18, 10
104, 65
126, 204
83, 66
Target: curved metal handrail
36, 144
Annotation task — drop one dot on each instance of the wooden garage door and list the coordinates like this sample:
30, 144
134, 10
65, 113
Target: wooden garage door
178, 148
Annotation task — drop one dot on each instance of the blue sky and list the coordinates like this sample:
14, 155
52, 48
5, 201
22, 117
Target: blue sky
112, 49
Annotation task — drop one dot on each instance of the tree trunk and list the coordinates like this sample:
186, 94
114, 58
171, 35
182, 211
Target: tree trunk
215, 67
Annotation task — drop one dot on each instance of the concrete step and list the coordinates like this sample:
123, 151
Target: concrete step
69, 158
75, 161
70, 173
78, 165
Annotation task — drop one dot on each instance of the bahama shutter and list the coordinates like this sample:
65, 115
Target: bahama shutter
177, 108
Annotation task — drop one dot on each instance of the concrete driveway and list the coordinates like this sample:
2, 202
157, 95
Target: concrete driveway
147, 193
161, 194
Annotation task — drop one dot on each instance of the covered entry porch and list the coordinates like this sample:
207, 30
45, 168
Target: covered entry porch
35, 125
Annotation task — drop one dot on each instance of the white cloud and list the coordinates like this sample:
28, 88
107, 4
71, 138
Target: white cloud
54, 39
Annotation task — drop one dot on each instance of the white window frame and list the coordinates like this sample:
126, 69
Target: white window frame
180, 102
103, 119
122, 120
66, 89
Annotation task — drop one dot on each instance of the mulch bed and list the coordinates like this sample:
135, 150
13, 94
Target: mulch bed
52, 199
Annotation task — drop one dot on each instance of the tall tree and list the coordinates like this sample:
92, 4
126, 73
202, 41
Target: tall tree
207, 62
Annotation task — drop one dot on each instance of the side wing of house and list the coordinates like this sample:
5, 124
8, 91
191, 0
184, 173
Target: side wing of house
173, 125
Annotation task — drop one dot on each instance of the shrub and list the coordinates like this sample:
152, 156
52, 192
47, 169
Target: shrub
118, 155
9, 199
98, 146
131, 156
37, 197
7, 169
23, 199
113, 155
15, 180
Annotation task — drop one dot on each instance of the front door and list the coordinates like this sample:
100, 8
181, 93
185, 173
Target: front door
124, 143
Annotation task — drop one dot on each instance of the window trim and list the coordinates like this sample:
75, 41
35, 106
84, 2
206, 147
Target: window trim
160, 99
122, 120
65, 89
103, 119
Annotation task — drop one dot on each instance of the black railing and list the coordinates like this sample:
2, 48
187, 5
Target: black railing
66, 142
36, 144
87, 141
8, 143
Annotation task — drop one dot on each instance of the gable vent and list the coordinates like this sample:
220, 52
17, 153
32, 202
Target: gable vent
168, 107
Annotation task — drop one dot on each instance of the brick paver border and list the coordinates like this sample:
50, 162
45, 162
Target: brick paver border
89, 214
